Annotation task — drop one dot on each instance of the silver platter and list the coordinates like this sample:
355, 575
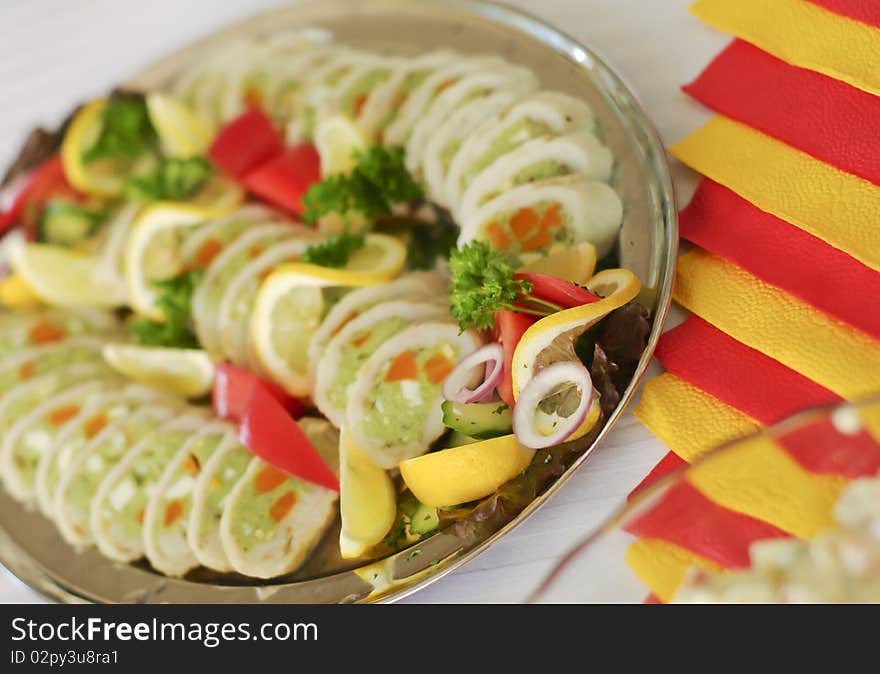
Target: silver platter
29, 544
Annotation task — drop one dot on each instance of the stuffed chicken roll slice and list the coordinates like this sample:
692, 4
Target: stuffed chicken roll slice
533, 217
223, 268
168, 512
356, 342
22, 330
218, 475
542, 113
468, 88
423, 94
273, 521
36, 361
350, 96
384, 101
426, 286
448, 137
204, 242
234, 312
393, 411
79, 483
118, 510
579, 152
96, 415
33, 435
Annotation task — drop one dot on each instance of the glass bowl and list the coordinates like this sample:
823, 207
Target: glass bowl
789, 514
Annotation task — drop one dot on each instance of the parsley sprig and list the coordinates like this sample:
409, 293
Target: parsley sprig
378, 180
175, 302
335, 251
482, 284
126, 130
174, 178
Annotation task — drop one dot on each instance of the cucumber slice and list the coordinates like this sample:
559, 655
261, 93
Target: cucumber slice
424, 519
66, 224
478, 420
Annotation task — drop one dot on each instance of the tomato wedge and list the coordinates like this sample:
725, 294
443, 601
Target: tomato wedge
284, 179
508, 330
46, 181
270, 433
246, 142
562, 293
234, 386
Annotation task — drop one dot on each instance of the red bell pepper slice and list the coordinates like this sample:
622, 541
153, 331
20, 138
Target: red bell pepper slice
562, 293
508, 330
234, 386
43, 183
246, 142
284, 179
270, 433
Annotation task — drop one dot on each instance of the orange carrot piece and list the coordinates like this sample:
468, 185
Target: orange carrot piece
358, 105
252, 98
403, 367
26, 370
44, 332
268, 479
282, 506
95, 425
552, 218
207, 252
173, 511
497, 236
438, 367
539, 240
191, 465
63, 414
523, 222
361, 339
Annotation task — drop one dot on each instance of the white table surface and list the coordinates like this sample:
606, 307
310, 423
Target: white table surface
56, 53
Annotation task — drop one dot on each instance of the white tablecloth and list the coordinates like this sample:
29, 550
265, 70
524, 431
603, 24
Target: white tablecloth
55, 53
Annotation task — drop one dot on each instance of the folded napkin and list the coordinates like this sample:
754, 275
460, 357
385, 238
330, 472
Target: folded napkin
828, 119
837, 207
824, 349
782, 255
804, 34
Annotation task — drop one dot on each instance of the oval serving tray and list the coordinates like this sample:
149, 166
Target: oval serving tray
32, 549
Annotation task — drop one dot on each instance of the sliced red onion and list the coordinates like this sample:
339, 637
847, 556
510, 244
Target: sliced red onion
455, 388
527, 416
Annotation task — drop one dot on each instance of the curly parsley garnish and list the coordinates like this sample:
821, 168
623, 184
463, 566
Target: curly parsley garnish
378, 180
175, 302
126, 130
334, 251
174, 178
482, 284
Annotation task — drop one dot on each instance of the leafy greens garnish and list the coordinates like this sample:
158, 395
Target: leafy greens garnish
126, 131
378, 180
482, 284
174, 178
175, 302
334, 251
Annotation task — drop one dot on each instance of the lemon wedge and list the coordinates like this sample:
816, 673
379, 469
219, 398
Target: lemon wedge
189, 372
152, 251
337, 139
289, 306
571, 263
82, 133
552, 338
458, 475
15, 293
62, 277
182, 133
367, 500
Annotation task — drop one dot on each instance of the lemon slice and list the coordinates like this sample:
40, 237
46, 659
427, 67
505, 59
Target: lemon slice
62, 277
152, 251
189, 372
337, 139
15, 293
218, 196
290, 305
182, 133
458, 475
552, 338
367, 500
571, 263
